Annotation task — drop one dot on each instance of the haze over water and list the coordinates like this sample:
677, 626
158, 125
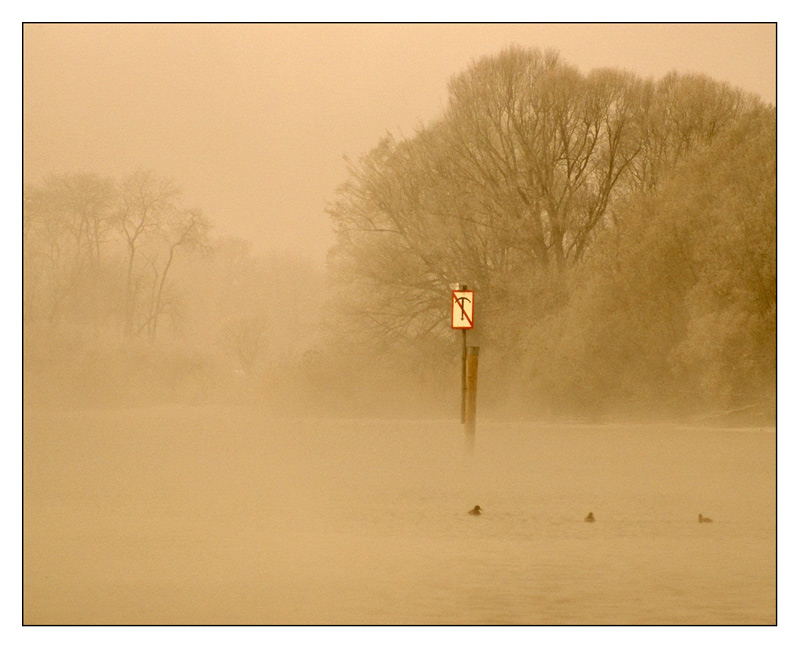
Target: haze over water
220, 516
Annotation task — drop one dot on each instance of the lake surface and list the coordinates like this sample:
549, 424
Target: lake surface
181, 515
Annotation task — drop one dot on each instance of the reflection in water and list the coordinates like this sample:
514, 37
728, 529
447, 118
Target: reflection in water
203, 516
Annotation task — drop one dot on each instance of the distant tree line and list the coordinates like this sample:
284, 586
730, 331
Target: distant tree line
99, 253
127, 298
620, 234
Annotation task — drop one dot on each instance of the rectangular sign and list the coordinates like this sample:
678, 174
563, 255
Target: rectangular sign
463, 310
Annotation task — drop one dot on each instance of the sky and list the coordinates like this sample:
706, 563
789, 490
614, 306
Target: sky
253, 121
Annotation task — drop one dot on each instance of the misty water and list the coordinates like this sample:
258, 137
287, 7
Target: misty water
190, 515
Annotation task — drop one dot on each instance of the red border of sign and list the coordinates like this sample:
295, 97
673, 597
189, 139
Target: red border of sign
472, 299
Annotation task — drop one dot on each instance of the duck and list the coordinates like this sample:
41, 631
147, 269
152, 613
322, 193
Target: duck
589, 518
475, 511
703, 519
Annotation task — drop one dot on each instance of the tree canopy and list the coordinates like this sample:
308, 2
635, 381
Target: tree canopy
582, 208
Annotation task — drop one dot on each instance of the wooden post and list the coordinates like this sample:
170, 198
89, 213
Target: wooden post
463, 287
463, 374
471, 397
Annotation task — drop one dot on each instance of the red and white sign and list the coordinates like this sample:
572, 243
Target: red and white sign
463, 310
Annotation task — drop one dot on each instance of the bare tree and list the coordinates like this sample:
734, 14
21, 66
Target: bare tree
518, 172
545, 144
66, 225
145, 201
186, 230
154, 227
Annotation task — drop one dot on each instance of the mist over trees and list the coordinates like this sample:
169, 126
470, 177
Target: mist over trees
128, 299
619, 232
620, 235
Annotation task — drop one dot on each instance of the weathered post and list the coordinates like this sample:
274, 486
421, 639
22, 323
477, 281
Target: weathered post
463, 287
462, 318
471, 398
463, 374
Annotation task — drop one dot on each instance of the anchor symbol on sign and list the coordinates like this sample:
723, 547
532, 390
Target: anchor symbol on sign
460, 301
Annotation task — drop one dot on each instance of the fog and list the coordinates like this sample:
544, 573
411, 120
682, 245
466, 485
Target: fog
253, 121
242, 393
179, 515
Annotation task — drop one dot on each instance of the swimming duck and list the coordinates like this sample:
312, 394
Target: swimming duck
589, 518
475, 511
703, 519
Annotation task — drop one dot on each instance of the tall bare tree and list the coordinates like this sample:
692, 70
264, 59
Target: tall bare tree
154, 227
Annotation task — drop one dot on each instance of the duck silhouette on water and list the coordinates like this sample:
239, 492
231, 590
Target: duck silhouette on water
475, 511
589, 518
703, 519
